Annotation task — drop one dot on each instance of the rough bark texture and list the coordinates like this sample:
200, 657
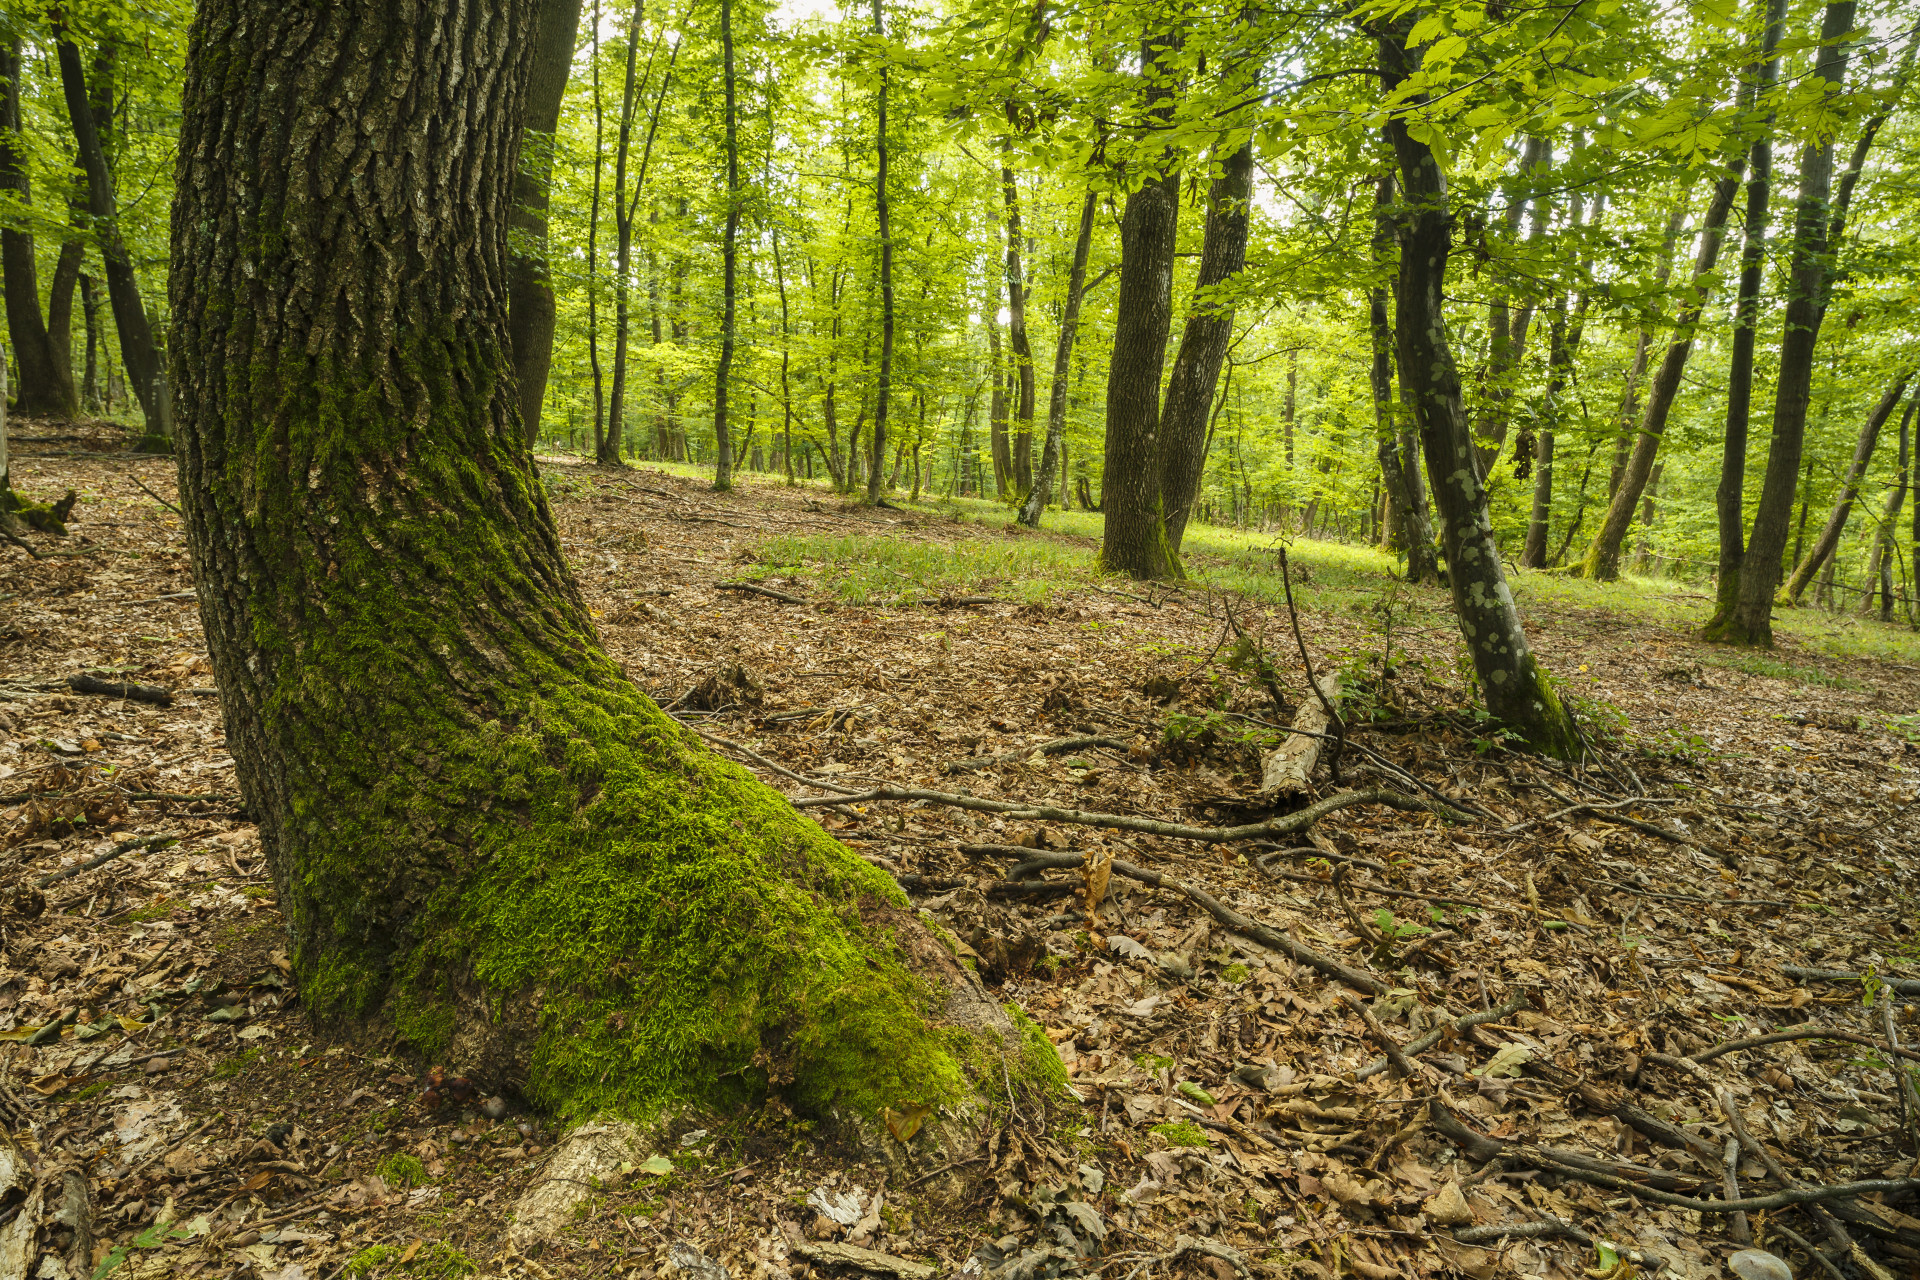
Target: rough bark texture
45, 386
1829, 539
529, 293
480, 831
1602, 561
1131, 494
1752, 618
138, 354
1053, 453
1516, 688
1399, 456
1203, 345
1730, 495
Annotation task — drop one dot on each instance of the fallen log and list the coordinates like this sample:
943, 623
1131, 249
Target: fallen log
1289, 767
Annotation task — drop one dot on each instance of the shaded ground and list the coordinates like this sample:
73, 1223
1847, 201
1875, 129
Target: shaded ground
1221, 1090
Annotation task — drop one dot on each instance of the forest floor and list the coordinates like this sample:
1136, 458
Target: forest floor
1744, 816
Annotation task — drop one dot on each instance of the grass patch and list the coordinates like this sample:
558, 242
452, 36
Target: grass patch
1758, 662
402, 1169
872, 570
437, 1261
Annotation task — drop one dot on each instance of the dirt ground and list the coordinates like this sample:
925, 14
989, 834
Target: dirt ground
1627, 916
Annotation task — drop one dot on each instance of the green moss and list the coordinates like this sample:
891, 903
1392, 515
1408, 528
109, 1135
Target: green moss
93, 1090
158, 909
1236, 972
402, 1169
1040, 1059
1181, 1135
437, 1261
233, 1066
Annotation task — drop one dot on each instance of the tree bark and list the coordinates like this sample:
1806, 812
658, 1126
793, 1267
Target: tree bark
530, 313
1730, 494
1203, 344
1886, 542
1602, 561
1508, 331
483, 836
730, 255
1829, 539
45, 386
1024, 395
1406, 496
998, 403
1051, 455
882, 213
1131, 495
138, 354
1752, 619
90, 312
1514, 684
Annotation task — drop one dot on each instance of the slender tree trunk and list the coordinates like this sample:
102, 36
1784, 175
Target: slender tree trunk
1886, 542
45, 384
1829, 538
1730, 494
729, 260
593, 245
1131, 494
1051, 455
1752, 620
90, 312
1024, 394
1203, 344
1406, 496
882, 212
999, 405
1602, 562
1508, 329
530, 313
484, 837
1515, 686
138, 353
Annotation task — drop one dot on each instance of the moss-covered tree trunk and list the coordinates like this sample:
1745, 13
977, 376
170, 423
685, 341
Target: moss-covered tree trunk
1515, 686
482, 834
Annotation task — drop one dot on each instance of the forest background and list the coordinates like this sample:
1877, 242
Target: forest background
716, 188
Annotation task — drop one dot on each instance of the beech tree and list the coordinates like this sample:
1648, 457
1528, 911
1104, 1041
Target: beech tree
481, 832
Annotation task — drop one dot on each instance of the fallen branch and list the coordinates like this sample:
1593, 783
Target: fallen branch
1288, 768
1544, 1229
1029, 812
759, 590
118, 851
1396, 1056
1905, 986
156, 497
1433, 1037
1835, 1232
1482, 1147
1750, 1204
1056, 747
1334, 721
757, 758
118, 689
1805, 1031
1233, 920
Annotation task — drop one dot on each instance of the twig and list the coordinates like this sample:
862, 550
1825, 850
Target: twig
1433, 1037
1333, 716
759, 590
757, 758
1365, 934
1730, 1187
156, 497
945, 1168
169, 1149
1396, 1056
1751, 1204
1518, 827
1905, 986
1903, 1079
118, 851
1805, 1031
1541, 1230
1806, 1245
1296, 821
1735, 1121
152, 693
1055, 747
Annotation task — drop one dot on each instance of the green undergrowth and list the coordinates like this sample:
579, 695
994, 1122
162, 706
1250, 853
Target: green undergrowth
437, 1261
873, 570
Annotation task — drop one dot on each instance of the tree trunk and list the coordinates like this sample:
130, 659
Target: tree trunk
137, 351
1829, 538
530, 312
1752, 620
90, 311
730, 258
997, 404
1203, 344
1135, 541
1508, 330
1886, 543
1730, 495
1406, 496
45, 386
1051, 455
1024, 395
883, 384
607, 448
1513, 683
483, 836
1602, 561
